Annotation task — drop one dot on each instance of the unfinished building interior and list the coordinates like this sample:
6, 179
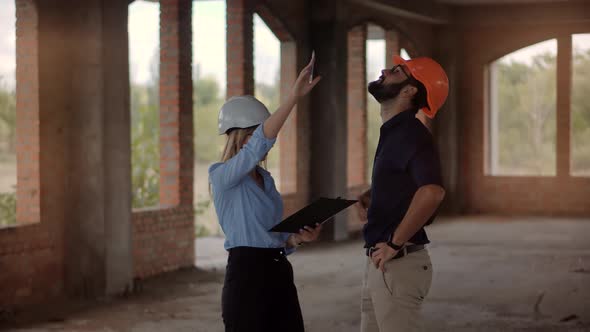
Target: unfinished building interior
77, 236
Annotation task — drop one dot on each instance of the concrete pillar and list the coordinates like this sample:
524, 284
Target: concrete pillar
116, 146
85, 135
447, 121
328, 110
240, 49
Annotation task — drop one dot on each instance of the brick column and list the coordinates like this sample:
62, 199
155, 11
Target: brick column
240, 51
288, 135
176, 118
392, 46
563, 114
357, 107
27, 115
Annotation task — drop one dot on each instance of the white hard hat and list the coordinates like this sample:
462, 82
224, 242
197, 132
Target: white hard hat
241, 112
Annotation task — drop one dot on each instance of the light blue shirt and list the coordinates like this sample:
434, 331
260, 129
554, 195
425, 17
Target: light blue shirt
245, 211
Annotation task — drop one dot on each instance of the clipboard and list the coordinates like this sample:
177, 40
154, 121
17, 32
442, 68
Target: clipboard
317, 212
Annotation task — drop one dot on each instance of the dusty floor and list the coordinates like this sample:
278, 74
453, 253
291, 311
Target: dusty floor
491, 274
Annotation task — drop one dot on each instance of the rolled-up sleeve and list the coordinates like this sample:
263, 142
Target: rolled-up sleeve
230, 173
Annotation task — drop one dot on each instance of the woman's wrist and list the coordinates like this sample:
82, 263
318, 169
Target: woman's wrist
293, 98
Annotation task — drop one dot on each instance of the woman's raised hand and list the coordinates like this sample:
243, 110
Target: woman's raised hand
302, 85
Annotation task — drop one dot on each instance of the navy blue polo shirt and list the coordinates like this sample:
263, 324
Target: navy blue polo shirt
406, 159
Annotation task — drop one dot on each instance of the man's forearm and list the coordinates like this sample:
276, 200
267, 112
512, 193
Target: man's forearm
365, 198
423, 205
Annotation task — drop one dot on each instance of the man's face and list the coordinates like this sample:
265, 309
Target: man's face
390, 83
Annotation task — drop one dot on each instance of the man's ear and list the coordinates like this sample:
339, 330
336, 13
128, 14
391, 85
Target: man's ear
410, 91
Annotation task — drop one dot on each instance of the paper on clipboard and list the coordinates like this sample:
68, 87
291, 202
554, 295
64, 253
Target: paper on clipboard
316, 212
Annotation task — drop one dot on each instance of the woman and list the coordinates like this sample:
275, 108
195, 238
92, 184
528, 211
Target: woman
258, 293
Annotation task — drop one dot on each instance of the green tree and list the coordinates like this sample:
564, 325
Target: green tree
527, 117
8, 116
580, 121
145, 141
145, 148
207, 102
7, 209
269, 94
8, 130
206, 92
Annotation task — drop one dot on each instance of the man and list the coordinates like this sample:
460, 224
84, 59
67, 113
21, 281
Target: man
405, 193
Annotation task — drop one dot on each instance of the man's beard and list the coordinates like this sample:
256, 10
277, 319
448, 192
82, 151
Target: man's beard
382, 92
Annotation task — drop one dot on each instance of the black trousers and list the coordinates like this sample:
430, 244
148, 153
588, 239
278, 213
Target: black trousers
259, 294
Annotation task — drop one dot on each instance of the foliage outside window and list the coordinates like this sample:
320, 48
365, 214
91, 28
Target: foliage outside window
145, 123
145, 146
8, 114
580, 106
522, 112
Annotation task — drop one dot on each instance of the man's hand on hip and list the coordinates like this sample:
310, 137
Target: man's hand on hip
382, 254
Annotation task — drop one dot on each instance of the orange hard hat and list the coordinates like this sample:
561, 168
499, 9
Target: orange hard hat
432, 76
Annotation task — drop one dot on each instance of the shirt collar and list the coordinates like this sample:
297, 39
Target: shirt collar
398, 118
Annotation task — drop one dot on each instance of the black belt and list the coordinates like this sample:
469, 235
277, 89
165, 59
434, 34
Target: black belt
404, 251
257, 253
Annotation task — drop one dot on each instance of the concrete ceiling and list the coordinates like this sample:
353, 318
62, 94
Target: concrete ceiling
500, 2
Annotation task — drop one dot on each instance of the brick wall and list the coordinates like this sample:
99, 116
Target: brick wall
163, 240
176, 117
31, 254
31, 264
551, 195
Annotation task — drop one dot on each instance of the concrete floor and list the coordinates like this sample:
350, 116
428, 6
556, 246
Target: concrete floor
491, 274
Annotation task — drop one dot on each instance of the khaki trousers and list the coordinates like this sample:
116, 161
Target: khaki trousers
392, 300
